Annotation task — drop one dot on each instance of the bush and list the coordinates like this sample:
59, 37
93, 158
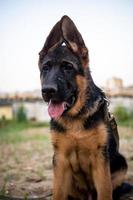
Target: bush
21, 114
121, 113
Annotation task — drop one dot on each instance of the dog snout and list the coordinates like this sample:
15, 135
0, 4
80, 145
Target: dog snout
49, 91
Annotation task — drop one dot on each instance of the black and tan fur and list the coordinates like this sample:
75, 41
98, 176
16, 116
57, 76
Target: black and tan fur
87, 164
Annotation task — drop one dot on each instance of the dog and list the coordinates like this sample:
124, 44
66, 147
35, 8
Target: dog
87, 164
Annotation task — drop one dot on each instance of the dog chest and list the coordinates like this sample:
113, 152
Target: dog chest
85, 153
81, 147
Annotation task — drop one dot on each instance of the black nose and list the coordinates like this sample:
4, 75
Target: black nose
49, 90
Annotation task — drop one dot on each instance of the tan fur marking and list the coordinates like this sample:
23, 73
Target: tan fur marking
74, 46
93, 109
102, 179
81, 84
85, 58
62, 177
82, 52
83, 138
87, 144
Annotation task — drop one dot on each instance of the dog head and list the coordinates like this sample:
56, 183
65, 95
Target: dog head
63, 61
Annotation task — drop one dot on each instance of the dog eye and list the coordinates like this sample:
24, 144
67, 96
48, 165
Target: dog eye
46, 67
67, 67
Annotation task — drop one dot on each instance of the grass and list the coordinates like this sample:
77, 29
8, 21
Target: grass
25, 159
11, 131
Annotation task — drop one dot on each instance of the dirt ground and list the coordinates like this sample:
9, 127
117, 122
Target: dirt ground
26, 167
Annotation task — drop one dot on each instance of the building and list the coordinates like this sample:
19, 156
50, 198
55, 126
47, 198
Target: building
118, 94
36, 110
6, 110
115, 84
32, 102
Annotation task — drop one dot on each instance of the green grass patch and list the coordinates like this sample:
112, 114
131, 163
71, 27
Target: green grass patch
126, 123
124, 117
11, 131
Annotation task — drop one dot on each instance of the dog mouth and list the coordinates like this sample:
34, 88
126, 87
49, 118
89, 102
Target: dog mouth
56, 109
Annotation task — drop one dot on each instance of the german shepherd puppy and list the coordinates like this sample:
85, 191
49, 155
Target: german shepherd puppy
87, 163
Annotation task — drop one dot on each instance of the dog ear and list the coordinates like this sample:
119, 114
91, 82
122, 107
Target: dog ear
74, 39
54, 39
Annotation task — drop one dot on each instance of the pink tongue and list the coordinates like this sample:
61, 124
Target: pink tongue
55, 110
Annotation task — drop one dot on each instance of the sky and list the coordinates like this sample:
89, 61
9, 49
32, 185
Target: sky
106, 27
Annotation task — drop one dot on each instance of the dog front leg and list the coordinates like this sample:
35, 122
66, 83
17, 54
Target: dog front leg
62, 178
102, 180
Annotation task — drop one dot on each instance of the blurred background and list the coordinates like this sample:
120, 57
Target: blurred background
107, 29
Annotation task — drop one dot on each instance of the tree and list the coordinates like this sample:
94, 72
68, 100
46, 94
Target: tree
21, 114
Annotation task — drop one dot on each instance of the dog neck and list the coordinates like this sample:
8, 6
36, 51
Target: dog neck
90, 97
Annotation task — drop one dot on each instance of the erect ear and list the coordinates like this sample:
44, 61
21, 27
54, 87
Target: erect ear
74, 39
54, 39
